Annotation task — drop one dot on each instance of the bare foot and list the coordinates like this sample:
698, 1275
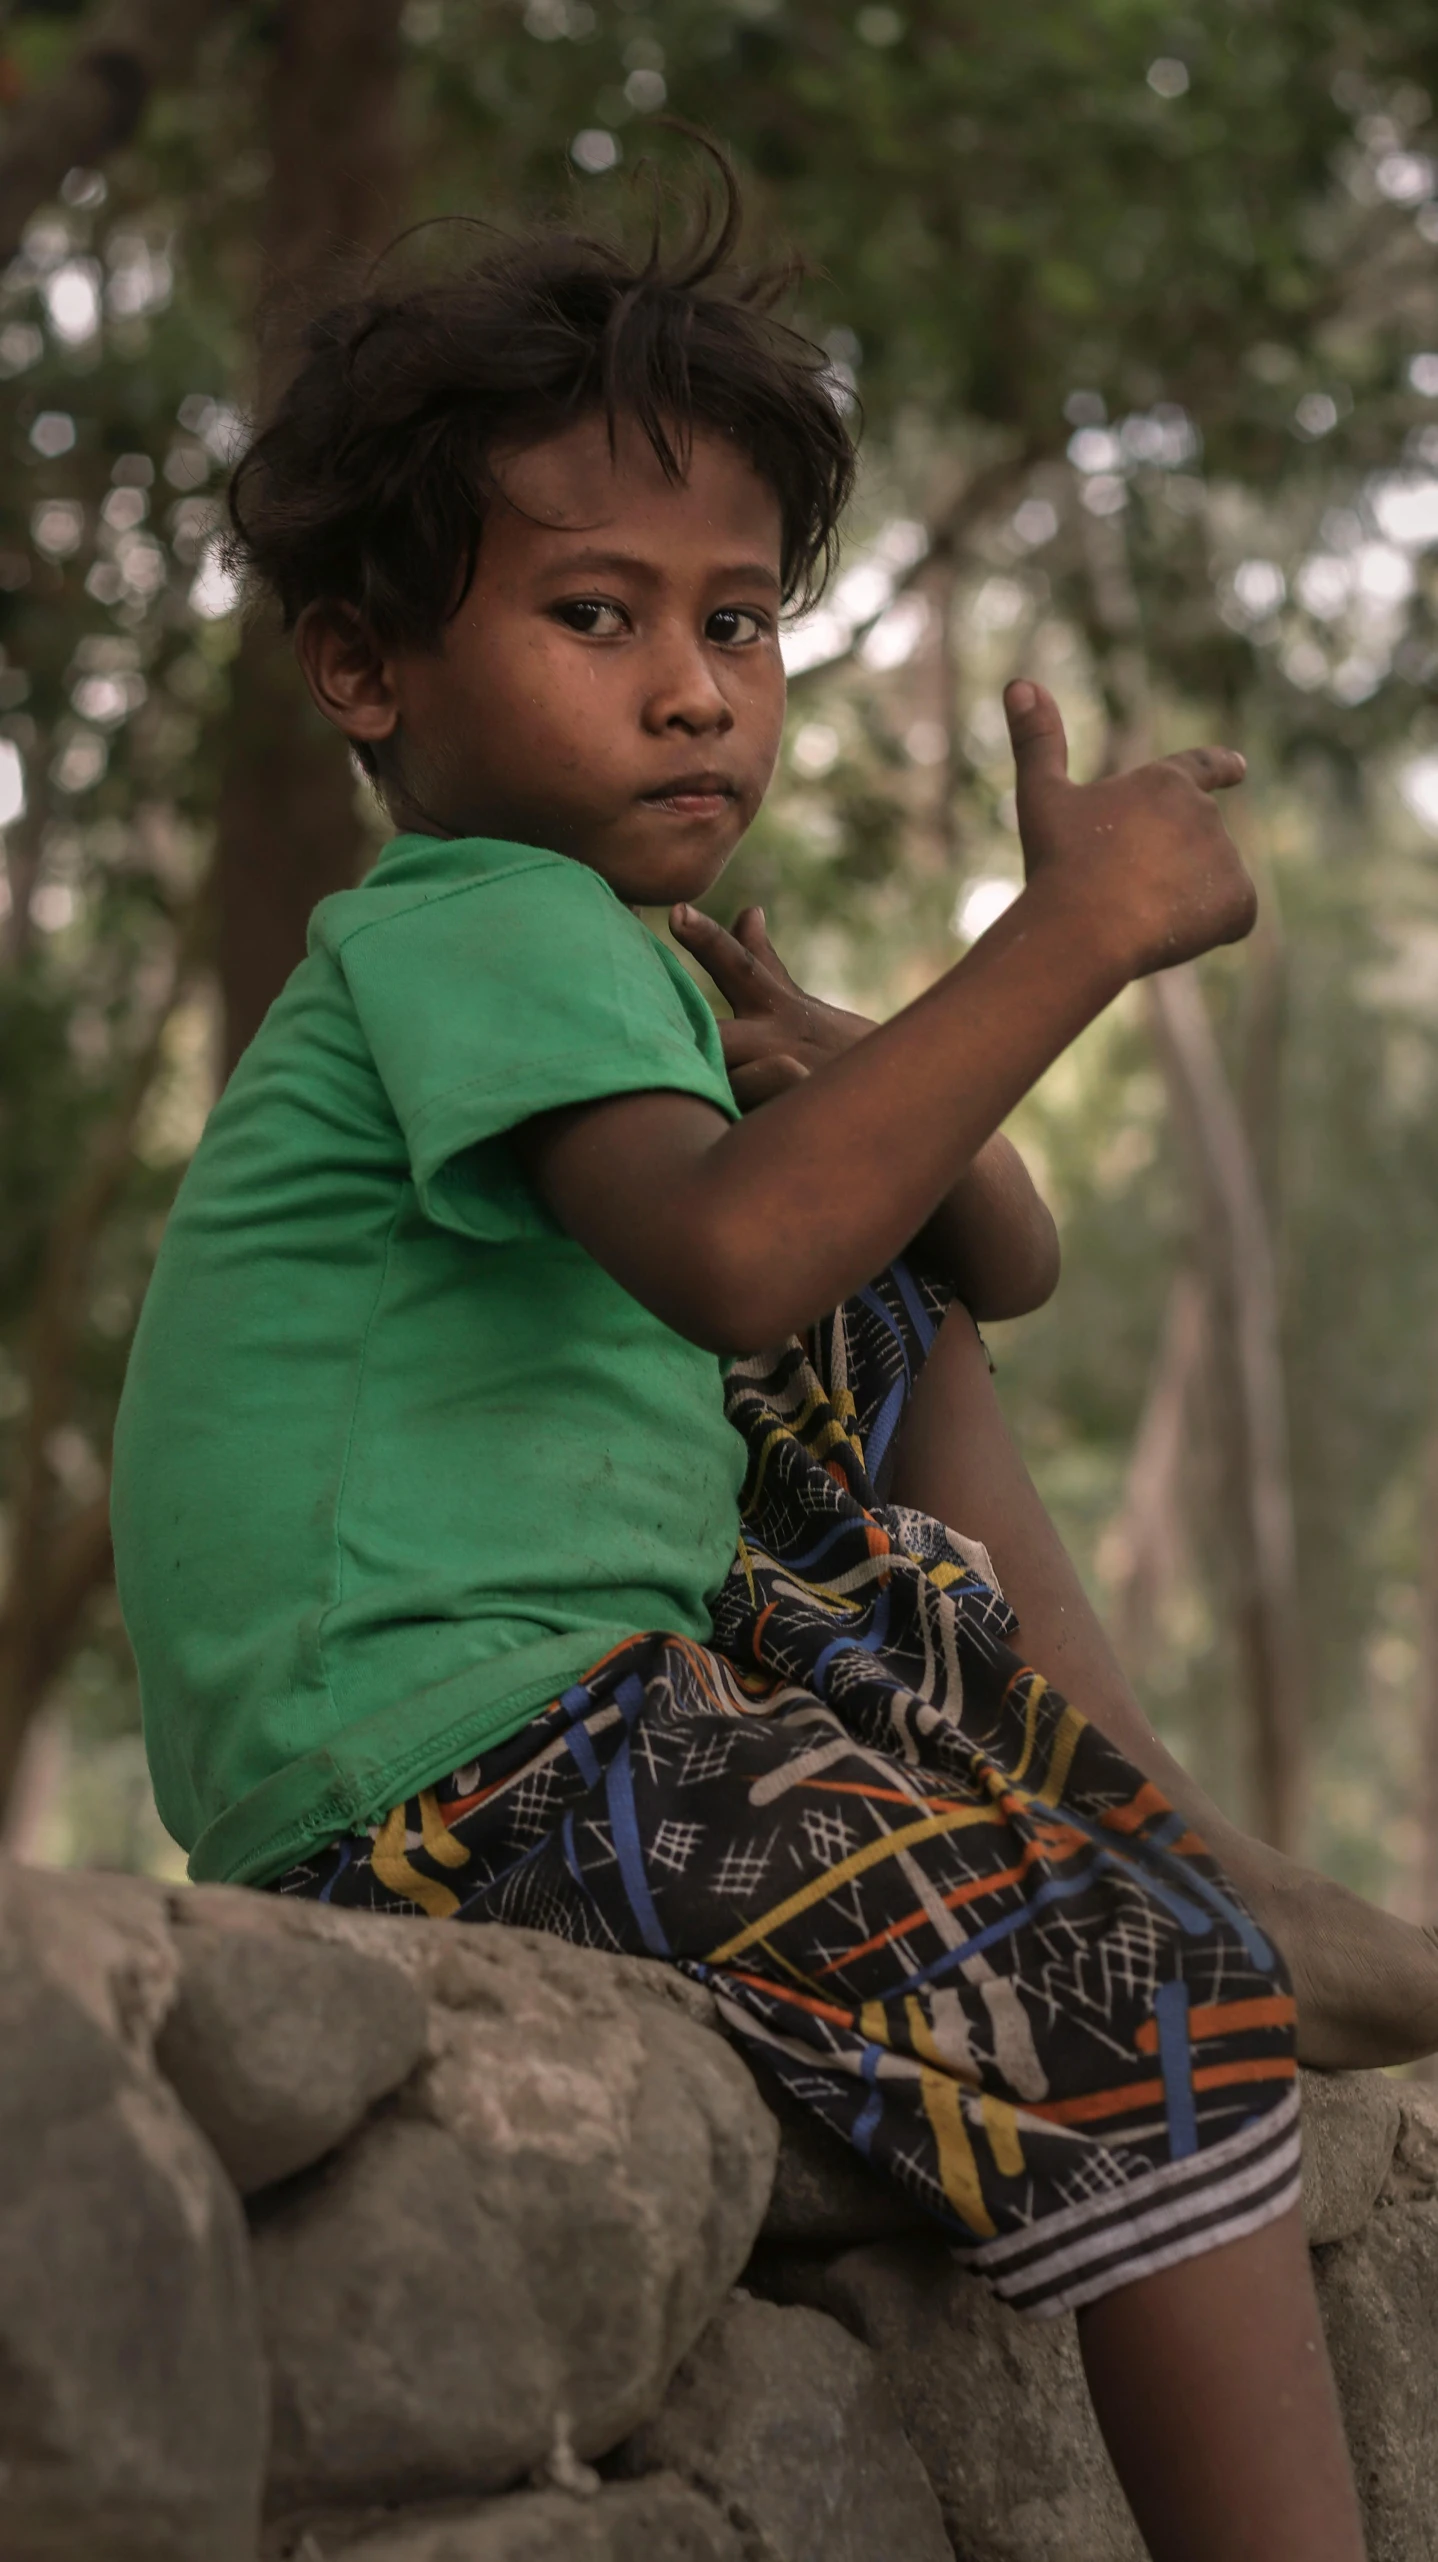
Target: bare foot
1366, 1983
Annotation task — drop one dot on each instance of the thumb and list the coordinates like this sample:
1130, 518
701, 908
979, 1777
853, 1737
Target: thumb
1041, 751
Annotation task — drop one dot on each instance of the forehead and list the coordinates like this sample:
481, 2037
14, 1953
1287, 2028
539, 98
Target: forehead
572, 485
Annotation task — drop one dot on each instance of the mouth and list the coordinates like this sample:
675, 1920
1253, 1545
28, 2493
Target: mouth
692, 796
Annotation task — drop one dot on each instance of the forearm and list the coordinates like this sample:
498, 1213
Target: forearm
741, 1238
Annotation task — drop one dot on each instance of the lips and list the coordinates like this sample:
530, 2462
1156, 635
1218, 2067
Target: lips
692, 795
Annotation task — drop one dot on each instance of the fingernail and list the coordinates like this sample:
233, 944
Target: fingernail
1022, 696
683, 911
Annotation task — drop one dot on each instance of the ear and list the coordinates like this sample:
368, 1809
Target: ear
348, 674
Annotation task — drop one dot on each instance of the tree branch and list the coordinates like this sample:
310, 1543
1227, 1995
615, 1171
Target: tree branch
948, 538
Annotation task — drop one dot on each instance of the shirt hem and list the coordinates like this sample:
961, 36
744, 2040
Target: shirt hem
356, 1778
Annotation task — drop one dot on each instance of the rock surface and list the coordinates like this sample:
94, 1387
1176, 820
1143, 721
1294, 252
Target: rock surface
529, 2243
1413, 2171
659, 2520
501, 2191
994, 2404
1350, 2129
786, 2424
279, 2047
1378, 2293
131, 2385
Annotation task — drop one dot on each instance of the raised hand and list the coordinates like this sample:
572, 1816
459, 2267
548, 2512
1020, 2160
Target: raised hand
725, 1230
778, 1034
1143, 859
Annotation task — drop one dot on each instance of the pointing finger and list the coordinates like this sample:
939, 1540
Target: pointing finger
751, 929
737, 973
1213, 769
1036, 731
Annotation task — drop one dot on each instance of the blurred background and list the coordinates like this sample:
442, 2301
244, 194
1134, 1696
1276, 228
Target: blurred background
1141, 308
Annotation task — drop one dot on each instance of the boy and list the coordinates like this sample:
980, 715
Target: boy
429, 1482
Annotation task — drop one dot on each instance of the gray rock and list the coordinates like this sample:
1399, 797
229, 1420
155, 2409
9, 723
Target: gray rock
526, 2243
132, 2399
1413, 2171
437, 1957
1350, 2128
659, 2520
993, 2402
786, 2423
406, 2356
824, 2196
105, 1939
278, 2047
1378, 2292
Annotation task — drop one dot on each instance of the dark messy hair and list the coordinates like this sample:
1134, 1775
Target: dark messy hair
368, 483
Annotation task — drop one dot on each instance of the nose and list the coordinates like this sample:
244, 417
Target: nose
684, 692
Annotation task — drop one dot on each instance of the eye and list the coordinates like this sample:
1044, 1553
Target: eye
736, 626
592, 616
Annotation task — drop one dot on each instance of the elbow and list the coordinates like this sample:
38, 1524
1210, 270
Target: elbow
731, 1300
1047, 1264
1027, 1283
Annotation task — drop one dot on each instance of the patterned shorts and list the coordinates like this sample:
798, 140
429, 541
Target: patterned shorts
941, 1907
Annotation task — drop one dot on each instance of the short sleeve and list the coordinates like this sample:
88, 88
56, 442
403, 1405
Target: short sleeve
527, 989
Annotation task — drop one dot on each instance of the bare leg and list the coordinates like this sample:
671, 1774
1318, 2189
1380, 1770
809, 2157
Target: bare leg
1213, 2391
1366, 1984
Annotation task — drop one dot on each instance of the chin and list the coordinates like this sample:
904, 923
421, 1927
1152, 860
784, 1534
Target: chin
652, 879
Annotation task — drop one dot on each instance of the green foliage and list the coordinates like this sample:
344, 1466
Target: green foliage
1154, 281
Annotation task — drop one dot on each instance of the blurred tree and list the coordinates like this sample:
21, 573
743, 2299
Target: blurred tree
120, 56
1095, 270
330, 109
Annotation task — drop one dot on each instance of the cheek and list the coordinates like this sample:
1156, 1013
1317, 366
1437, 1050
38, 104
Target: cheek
568, 715
520, 705
561, 686
767, 709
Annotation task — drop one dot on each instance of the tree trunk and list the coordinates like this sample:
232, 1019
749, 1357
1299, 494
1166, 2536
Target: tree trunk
289, 830
1262, 1034
1144, 1555
58, 1554
1426, 1864
1235, 1243
1251, 1414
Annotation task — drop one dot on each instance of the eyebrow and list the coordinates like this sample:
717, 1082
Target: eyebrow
635, 566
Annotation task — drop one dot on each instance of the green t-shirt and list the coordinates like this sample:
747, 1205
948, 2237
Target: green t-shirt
396, 1459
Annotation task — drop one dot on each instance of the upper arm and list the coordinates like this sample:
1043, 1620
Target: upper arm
624, 1178
527, 992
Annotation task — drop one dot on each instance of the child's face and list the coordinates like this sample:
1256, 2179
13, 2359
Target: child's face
611, 687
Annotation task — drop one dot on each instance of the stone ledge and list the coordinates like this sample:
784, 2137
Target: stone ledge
391, 2233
